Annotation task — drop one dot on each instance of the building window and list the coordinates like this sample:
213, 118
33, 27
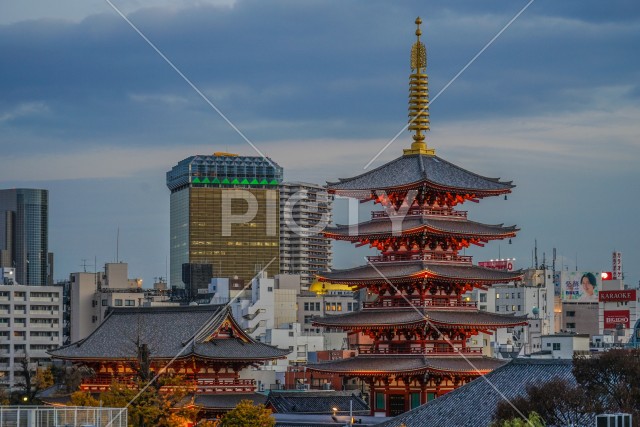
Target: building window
306, 306
483, 297
506, 296
317, 306
415, 400
571, 314
519, 307
339, 306
497, 308
571, 325
497, 296
483, 308
556, 346
291, 333
270, 289
104, 302
130, 303
307, 319
118, 303
513, 308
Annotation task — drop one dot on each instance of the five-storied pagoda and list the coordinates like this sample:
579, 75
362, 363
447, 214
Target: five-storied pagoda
413, 341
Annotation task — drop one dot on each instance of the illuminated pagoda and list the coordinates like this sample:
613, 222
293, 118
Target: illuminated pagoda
414, 339
201, 344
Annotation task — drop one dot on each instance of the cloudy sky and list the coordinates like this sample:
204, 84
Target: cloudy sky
91, 112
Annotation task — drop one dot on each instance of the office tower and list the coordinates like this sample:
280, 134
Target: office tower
24, 229
305, 210
224, 212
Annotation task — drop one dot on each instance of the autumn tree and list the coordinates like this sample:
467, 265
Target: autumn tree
83, 398
246, 414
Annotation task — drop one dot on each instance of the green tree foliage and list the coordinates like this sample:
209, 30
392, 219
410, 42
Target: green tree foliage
83, 398
246, 414
534, 420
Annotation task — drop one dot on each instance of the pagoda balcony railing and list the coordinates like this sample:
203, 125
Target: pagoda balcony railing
421, 257
401, 302
370, 349
224, 385
423, 211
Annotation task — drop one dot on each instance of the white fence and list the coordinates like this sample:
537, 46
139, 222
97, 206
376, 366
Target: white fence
68, 416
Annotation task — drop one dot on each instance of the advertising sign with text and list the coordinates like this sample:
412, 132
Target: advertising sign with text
616, 296
613, 318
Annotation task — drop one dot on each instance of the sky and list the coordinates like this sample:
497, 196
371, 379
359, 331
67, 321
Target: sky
91, 112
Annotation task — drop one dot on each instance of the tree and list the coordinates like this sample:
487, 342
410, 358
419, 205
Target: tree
35, 378
612, 379
556, 402
534, 420
246, 414
83, 398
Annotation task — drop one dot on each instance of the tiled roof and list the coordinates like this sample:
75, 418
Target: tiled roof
397, 364
223, 401
166, 331
474, 404
316, 402
404, 269
407, 170
417, 224
395, 316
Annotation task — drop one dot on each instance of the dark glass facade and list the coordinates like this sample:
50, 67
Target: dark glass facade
209, 197
24, 231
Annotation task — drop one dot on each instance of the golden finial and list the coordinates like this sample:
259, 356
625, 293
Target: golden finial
419, 97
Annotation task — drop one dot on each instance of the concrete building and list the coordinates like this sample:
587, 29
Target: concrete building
24, 235
224, 211
305, 210
30, 325
618, 312
580, 318
533, 297
563, 346
91, 295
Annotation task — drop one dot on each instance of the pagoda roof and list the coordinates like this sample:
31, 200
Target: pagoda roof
395, 317
400, 364
418, 224
205, 331
404, 270
412, 170
220, 401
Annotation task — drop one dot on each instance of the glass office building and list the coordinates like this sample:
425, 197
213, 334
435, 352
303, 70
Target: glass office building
24, 231
224, 211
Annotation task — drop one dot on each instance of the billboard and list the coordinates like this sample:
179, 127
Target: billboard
616, 296
579, 286
498, 264
613, 318
617, 265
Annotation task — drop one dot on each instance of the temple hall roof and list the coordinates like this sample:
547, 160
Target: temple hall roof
407, 171
315, 402
394, 317
224, 402
169, 331
405, 269
417, 224
401, 364
474, 403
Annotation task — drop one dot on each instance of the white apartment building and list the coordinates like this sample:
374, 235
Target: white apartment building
30, 325
305, 209
534, 298
563, 346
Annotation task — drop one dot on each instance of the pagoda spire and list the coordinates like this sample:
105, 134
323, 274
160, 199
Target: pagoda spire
419, 97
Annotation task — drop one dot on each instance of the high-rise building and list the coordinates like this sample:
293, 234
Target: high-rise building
24, 230
305, 210
224, 212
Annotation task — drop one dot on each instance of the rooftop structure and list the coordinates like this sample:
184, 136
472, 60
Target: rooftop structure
412, 338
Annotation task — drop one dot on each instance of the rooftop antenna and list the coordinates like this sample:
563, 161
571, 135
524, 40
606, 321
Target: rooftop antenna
576, 261
84, 264
118, 245
536, 252
554, 259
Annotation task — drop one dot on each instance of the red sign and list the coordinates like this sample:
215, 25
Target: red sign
613, 318
606, 275
498, 264
612, 296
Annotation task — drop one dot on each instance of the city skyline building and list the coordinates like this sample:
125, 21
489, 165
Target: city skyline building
305, 210
224, 211
24, 235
